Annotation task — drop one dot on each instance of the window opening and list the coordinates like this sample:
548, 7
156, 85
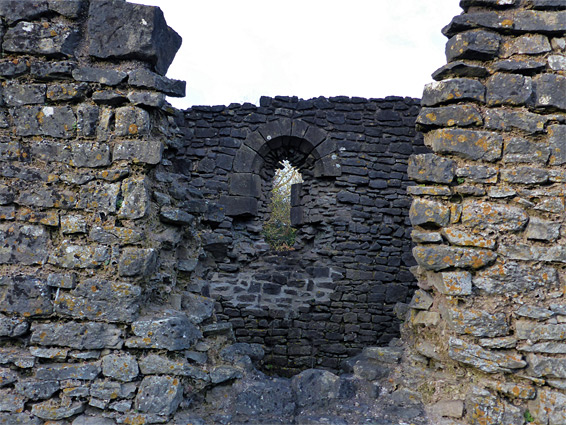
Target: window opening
277, 230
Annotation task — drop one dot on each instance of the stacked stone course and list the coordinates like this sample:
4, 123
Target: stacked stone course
489, 212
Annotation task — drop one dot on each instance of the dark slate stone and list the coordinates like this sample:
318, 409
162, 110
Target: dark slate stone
245, 184
550, 91
69, 8
38, 39
477, 45
150, 80
431, 168
467, 144
25, 295
239, 205
24, 94
18, 10
453, 90
520, 65
450, 116
9, 69
107, 77
509, 89
460, 69
52, 70
62, 92
122, 30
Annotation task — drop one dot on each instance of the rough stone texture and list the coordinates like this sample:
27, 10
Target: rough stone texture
172, 333
466, 144
159, 394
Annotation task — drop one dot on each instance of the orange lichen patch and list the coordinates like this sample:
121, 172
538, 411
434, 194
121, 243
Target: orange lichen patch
45, 25
133, 129
431, 116
507, 23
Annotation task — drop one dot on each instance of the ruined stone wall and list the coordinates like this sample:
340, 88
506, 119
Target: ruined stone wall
336, 290
489, 213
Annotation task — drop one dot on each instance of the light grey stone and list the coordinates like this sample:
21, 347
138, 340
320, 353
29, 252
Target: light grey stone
77, 335
171, 333
159, 394
485, 360
123, 367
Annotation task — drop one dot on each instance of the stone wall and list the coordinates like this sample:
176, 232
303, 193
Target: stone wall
489, 213
336, 290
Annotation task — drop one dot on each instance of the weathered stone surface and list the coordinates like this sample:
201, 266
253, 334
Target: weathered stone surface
429, 190
549, 89
424, 212
11, 401
480, 323
518, 21
467, 144
239, 205
71, 256
222, 374
137, 261
315, 387
552, 205
90, 155
109, 235
548, 367
147, 79
460, 69
476, 44
7, 377
175, 216
513, 277
525, 175
557, 142
12, 326
53, 121
235, 352
63, 371
68, 8
18, 357
453, 90
452, 283
55, 354
159, 394
146, 98
49, 71
441, 257
534, 312
557, 62
99, 299
22, 244
108, 77
478, 173
484, 360
508, 89
71, 224
47, 38
549, 406
486, 215
508, 120
125, 30
197, 307
132, 121
97, 196
426, 318
519, 150
90, 336
431, 168
543, 230
122, 367
70, 91
13, 11
520, 65
110, 390
426, 237
154, 364
24, 94
37, 390
171, 333
484, 408
24, 295
57, 409
530, 44
535, 332
450, 116
462, 238
148, 152
19, 419
421, 300
544, 347
136, 198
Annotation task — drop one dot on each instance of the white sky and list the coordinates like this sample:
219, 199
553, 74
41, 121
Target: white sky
239, 50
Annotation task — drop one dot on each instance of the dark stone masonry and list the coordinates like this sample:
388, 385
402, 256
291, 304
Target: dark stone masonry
136, 286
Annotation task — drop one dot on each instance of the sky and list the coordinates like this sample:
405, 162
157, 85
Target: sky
239, 50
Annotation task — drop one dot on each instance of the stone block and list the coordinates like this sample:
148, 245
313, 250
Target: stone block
297, 216
154, 364
110, 235
519, 150
426, 318
421, 300
508, 89
453, 90
46, 38
136, 199
525, 175
529, 44
557, 143
132, 121
431, 168
49, 71
466, 144
68, 8
245, 184
25, 295
463, 238
120, 30
122, 367
485, 215
23, 244
450, 116
475, 44
111, 390
90, 336
24, 94
13, 10
149, 80
98, 196
484, 360
71, 256
146, 98
513, 278
66, 92
479, 323
460, 69
108, 77
508, 120
159, 394
90, 155
520, 65
449, 408
37, 390
12, 326
441, 257
244, 162
452, 283
53, 121
533, 312
101, 300
235, 206
425, 212
327, 166
549, 91
542, 230
171, 333
176, 216
137, 261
